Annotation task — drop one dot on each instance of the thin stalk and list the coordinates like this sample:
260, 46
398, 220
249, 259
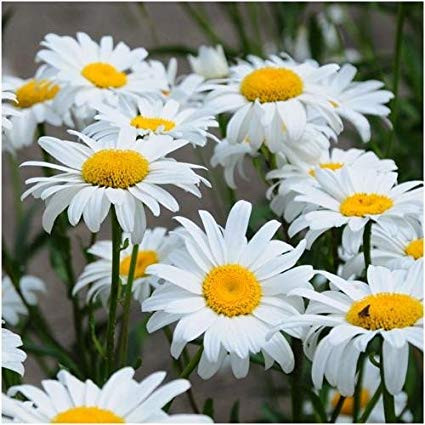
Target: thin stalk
334, 249
366, 244
389, 409
337, 410
296, 381
46, 157
371, 405
123, 338
113, 298
396, 72
17, 187
188, 370
358, 390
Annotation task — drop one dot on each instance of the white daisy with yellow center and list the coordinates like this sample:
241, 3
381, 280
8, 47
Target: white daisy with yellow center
396, 244
353, 100
230, 291
12, 356
34, 103
12, 304
292, 170
350, 197
142, 117
272, 98
390, 305
370, 384
96, 72
121, 400
155, 248
123, 173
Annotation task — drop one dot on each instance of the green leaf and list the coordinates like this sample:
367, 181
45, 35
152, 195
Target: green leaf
208, 408
234, 413
315, 38
317, 404
270, 414
136, 339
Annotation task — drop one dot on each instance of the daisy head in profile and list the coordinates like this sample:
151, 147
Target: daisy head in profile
12, 356
121, 400
155, 248
34, 102
123, 173
93, 72
278, 93
142, 117
389, 307
351, 197
229, 291
211, 62
353, 100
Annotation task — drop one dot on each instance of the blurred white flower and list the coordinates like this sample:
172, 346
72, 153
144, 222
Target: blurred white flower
210, 63
12, 356
12, 305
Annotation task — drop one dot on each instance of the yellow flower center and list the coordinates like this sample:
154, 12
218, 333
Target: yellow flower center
144, 259
328, 165
361, 204
385, 311
231, 290
115, 168
415, 248
104, 75
348, 405
153, 123
271, 85
35, 91
88, 415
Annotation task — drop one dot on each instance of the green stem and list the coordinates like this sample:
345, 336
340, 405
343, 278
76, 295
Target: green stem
17, 187
123, 338
371, 405
367, 245
358, 390
187, 371
113, 298
389, 409
337, 409
396, 73
296, 380
334, 249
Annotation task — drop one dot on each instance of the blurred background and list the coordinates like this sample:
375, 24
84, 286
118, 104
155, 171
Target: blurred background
363, 34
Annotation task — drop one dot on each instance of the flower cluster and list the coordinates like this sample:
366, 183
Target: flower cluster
239, 292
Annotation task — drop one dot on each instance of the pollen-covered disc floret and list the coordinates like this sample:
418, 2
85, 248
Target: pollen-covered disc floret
104, 75
115, 168
271, 85
152, 123
35, 91
385, 311
231, 290
415, 248
89, 415
361, 204
144, 259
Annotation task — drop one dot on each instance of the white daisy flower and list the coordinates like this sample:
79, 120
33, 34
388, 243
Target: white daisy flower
210, 63
396, 245
390, 306
12, 305
278, 93
155, 247
8, 97
120, 400
188, 90
296, 170
34, 105
144, 117
12, 356
231, 157
96, 72
222, 288
354, 100
124, 173
370, 384
352, 196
